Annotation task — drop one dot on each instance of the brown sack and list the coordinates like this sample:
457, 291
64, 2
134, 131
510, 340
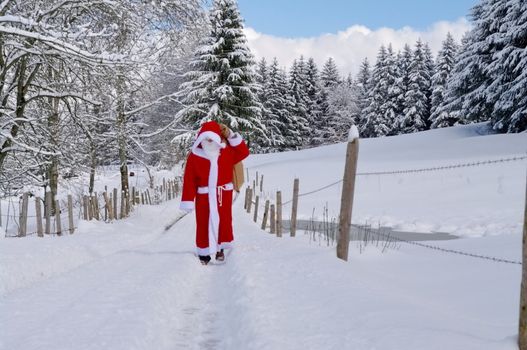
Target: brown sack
238, 176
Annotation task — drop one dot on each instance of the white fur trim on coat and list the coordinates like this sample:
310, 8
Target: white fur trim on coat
235, 139
186, 205
207, 251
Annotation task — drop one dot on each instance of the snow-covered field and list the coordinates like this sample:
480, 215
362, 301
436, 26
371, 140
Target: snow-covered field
128, 285
468, 201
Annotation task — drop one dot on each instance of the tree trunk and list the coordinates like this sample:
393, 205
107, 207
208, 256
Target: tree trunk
20, 75
54, 132
121, 129
93, 165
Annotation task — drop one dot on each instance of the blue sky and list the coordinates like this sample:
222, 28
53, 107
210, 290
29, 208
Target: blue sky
307, 18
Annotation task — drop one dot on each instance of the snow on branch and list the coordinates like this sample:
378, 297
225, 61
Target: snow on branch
65, 47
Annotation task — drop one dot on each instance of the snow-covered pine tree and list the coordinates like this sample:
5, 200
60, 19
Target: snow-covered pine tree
417, 103
389, 79
404, 59
508, 67
314, 94
262, 78
363, 90
222, 85
465, 97
280, 124
329, 80
446, 60
263, 144
298, 92
430, 67
376, 123
330, 76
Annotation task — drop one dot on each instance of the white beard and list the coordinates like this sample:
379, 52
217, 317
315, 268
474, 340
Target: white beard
211, 149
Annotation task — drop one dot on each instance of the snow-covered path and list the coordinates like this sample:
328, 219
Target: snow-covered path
152, 294
271, 294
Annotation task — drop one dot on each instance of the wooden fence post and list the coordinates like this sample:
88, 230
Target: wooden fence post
108, 206
266, 214
38, 211
84, 208
246, 198
279, 214
47, 212
58, 225
255, 219
250, 202
273, 220
295, 207
261, 184
256, 180
70, 214
346, 203
22, 229
91, 212
115, 216
96, 206
522, 334
126, 202
123, 205
148, 197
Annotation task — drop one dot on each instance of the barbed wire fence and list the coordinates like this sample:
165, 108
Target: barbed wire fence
389, 237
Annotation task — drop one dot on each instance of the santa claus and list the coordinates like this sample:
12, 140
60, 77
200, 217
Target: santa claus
208, 187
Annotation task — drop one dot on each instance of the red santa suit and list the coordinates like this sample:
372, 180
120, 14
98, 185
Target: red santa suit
208, 188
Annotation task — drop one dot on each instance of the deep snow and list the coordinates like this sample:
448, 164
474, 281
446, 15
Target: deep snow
469, 201
129, 285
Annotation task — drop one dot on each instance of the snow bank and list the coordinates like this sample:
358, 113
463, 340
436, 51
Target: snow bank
468, 201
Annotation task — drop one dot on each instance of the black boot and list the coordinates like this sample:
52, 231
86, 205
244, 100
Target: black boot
204, 259
220, 256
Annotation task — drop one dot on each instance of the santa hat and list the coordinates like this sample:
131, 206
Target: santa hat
209, 130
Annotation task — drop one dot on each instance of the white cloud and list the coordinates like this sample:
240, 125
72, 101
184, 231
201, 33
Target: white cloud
349, 47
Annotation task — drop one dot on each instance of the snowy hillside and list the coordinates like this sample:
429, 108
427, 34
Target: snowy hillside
130, 285
467, 201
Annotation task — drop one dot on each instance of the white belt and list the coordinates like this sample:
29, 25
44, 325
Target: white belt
220, 189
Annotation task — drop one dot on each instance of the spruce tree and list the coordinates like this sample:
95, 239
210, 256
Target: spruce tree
430, 68
446, 60
508, 67
314, 94
262, 144
222, 84
465, 97
404, 60
389, 80
300, 99
376, 123
277, 119
330, 76
417, 103
363, 90
329, 80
